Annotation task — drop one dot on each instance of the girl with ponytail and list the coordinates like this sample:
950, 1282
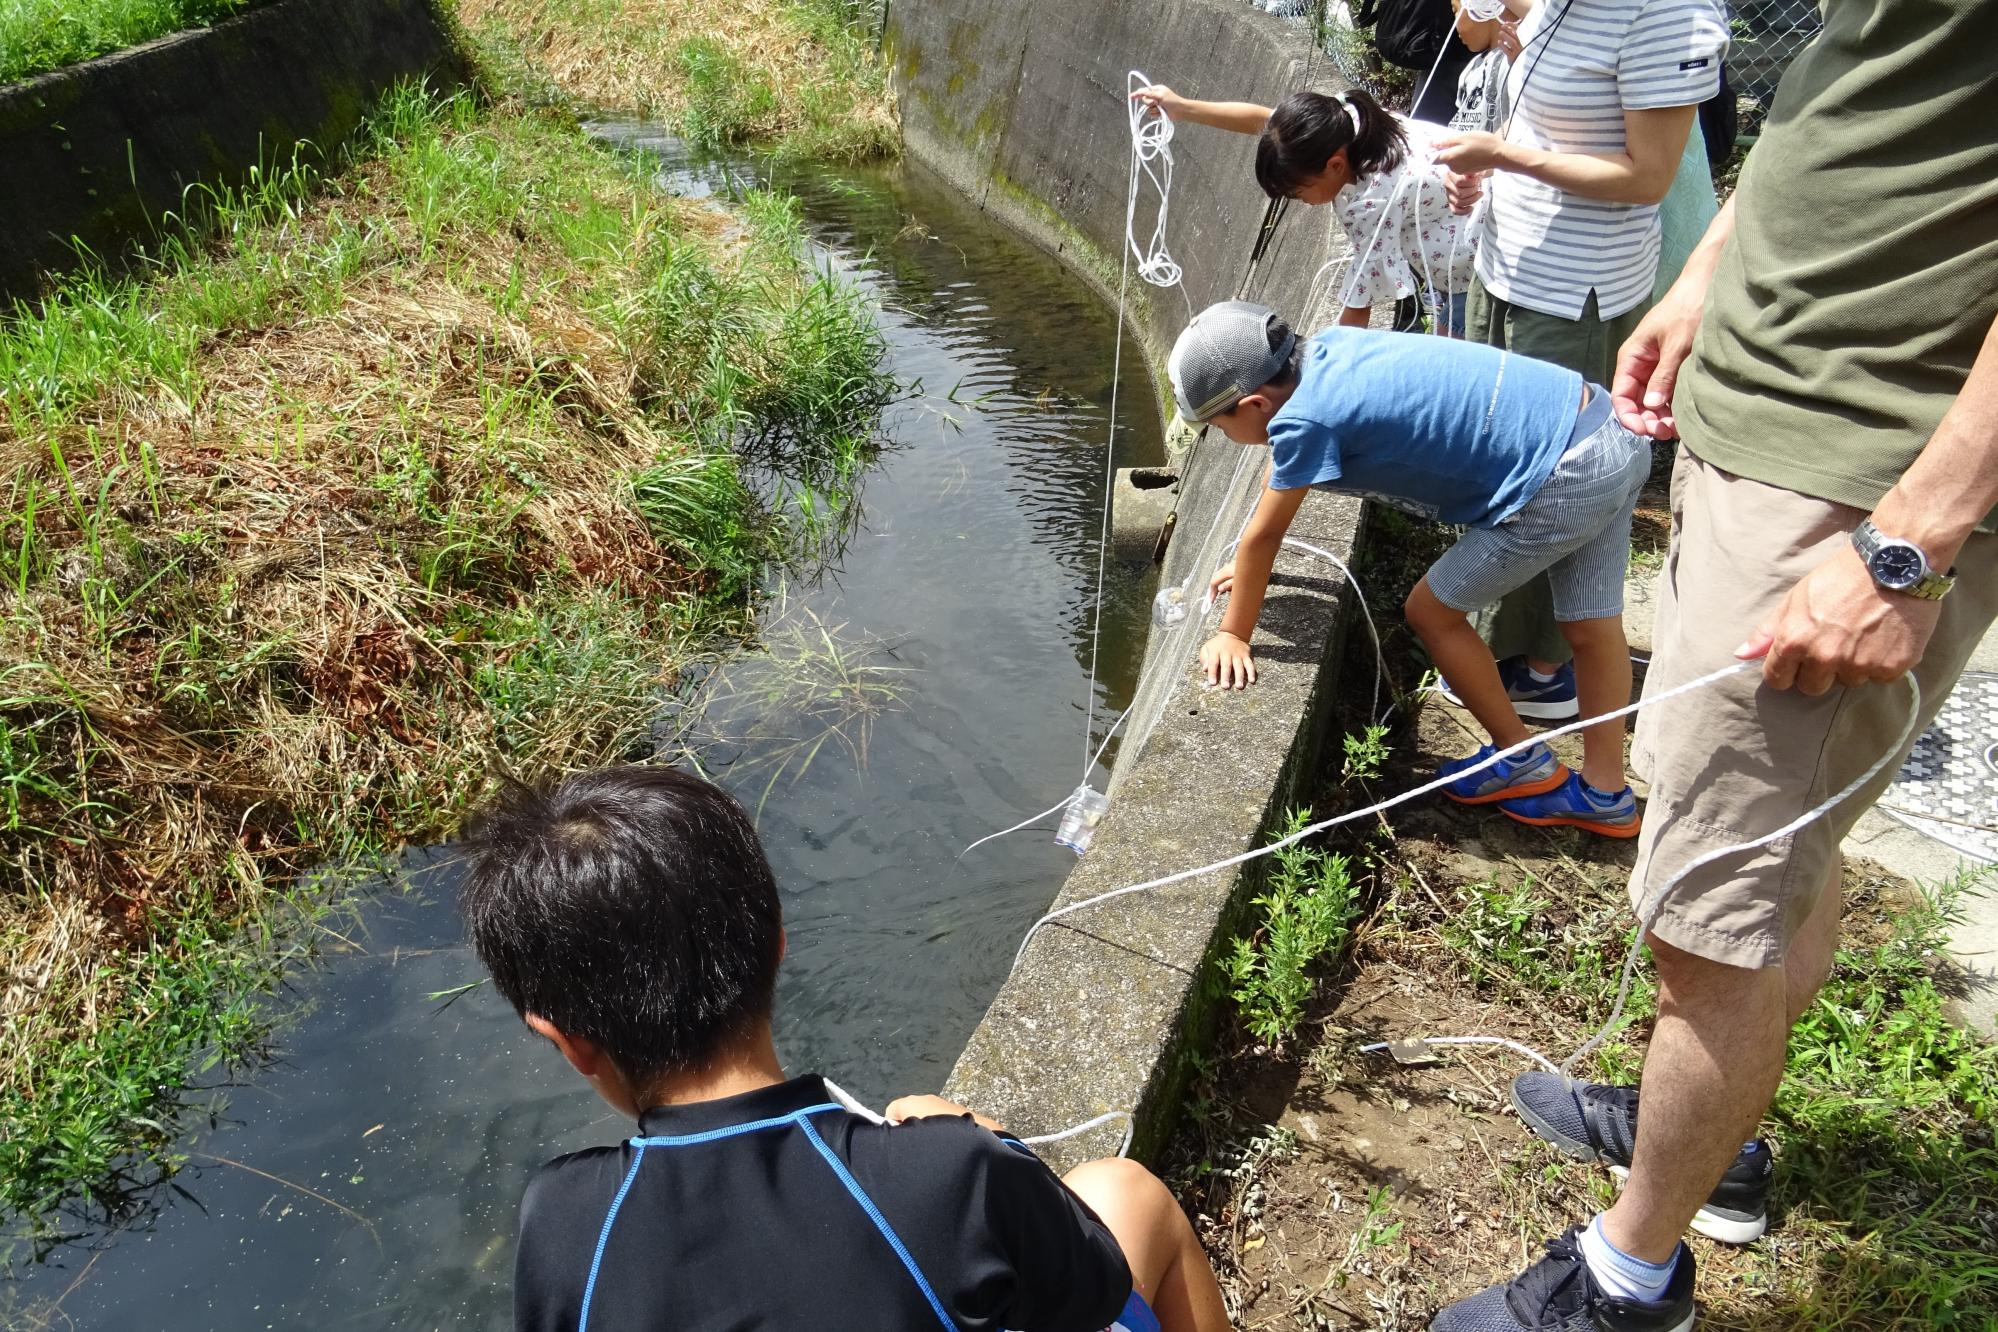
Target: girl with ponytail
1376, 169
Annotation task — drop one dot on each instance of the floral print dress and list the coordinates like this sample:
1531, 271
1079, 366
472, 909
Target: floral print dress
1421, 244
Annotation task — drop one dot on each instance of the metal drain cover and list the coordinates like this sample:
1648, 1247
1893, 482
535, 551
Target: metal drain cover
1949, 787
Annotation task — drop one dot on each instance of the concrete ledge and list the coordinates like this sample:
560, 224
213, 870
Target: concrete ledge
1107, 1003
97, 153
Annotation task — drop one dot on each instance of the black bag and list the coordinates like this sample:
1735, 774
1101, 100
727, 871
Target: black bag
1720, 123
1408, 33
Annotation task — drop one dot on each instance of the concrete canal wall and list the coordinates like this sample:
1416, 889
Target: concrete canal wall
93, 156
1021, 106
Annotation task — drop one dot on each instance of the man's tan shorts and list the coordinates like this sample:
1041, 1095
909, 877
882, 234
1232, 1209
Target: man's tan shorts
1735, 760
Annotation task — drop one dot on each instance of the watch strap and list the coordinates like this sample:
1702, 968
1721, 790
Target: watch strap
1867, 539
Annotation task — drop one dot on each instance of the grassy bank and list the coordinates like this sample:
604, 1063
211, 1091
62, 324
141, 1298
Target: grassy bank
40, 35
428, 470
800, 75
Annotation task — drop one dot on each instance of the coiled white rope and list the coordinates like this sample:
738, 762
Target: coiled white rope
1151, 155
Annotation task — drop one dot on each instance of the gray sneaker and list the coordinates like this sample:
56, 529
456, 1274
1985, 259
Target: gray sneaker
1560, 1294
1594, 1122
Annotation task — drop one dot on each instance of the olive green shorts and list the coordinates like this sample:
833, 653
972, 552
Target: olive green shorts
1588, 345
1735, 760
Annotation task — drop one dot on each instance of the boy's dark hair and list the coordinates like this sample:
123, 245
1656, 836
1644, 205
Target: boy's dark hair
1307, 128
629, 905
1278, 330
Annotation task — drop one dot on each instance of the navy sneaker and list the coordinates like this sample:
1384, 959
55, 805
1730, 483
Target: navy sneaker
1560, 1294
1594, 1122
1554, 701
1576, 804
1528, 772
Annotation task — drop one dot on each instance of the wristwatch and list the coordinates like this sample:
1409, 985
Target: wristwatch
1899, 566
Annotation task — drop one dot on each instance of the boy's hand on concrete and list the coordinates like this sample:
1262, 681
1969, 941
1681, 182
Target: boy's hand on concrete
1222, 582
1162, 97
1647, 368
1226, 660
905, 1108
1838, 626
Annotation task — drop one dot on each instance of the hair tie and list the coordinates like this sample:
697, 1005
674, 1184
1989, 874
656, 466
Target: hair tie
1352, 112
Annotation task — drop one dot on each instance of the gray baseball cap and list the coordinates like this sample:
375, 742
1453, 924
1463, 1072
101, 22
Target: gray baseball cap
1228, 352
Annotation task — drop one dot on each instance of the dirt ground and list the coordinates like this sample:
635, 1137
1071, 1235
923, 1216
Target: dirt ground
1341, 1189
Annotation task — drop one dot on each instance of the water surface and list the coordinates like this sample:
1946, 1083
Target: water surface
367, 1177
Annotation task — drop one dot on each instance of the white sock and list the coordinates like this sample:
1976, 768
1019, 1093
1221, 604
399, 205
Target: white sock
1538, 678
1619, 1274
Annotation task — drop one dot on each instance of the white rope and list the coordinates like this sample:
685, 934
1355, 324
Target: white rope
1020, 826
847, 1101
1497, 756
1123, 1148
1151, 154
1517, 1047
1359, 595
1654, 903
1170, 655
1103, 530
1649, 910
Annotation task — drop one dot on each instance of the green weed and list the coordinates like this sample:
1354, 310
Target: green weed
728, 103
802, 79
1366, 754
40, 35
1306, 913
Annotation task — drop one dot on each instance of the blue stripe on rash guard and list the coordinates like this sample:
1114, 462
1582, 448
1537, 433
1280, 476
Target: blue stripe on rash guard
603, 1238
880, 1223
684, 1140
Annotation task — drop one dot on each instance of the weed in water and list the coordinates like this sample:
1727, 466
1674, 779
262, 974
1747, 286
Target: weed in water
812, 688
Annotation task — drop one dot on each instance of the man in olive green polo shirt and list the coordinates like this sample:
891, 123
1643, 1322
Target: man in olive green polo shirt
1829, 360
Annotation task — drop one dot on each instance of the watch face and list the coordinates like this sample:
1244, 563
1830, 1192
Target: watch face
1896, 565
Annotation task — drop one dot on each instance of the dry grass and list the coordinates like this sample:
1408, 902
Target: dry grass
305, 536
731, 73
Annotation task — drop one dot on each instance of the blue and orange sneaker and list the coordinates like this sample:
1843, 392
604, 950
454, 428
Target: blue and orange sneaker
1573, 803
1524, 774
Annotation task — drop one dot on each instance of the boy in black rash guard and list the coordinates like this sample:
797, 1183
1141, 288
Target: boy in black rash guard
630, 917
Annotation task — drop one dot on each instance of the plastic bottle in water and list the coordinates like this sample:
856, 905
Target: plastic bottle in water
1086, 809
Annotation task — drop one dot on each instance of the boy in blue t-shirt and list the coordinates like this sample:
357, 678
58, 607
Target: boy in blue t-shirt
1522, 453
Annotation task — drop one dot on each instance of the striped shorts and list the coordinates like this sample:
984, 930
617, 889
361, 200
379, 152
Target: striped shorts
1576, 528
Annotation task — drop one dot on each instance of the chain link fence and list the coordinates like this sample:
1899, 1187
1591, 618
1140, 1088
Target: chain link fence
1766, 36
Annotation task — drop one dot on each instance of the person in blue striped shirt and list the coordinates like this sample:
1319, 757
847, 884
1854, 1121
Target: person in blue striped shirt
1604, 95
